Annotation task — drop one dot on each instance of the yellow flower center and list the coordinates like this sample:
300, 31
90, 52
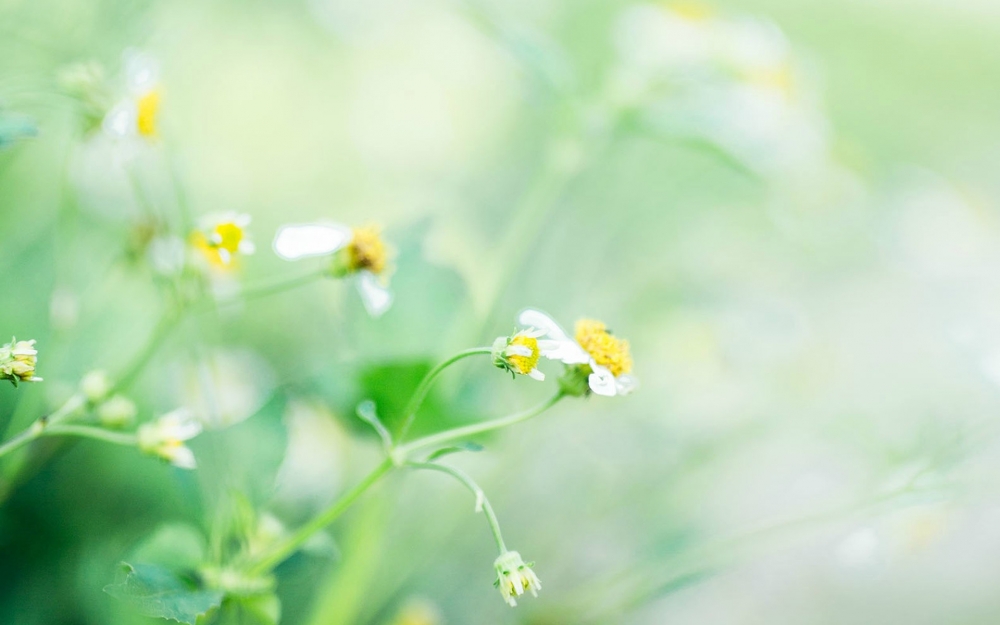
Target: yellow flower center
224, 236
149, 107
692, 11
228, 237
606, 350
367, 250
525, 364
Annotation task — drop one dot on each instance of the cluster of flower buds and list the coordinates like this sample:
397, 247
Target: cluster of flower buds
18, 360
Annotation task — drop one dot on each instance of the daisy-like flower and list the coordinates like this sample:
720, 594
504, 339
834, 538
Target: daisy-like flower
603, 359
519, 353
18, 360
515, 577
223, 239
358, 252
137, 114
165, 437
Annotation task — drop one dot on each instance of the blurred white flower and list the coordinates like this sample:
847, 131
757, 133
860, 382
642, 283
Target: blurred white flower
605, 359
359, 252
223, 238
95, 386
312, 471
165, 437
117, 412
136, 114
515, 577
225, 387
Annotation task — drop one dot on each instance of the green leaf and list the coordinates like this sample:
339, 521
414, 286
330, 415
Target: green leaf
444, 451
255, 610
367, 412
155, 591
176, 546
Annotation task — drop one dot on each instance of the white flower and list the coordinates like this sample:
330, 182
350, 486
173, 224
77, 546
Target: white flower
520, 353
514, 577
165, 437
223, 238
18, 360
95, 386
136, 114
358, 252
605, 359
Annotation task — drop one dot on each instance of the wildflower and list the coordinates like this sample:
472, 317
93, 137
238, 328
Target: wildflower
595, 354
514, 577
137, 114
95, 386
224, 238
18, 360
165, 438
520, 352
359, 252
117, 412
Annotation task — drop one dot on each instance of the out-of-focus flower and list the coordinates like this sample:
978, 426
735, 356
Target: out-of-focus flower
117, 412
18, 360
87, 83
136, 115
417, 611
165, 437
223, 387
603, 360
223, 238
515, 577
95, 386
520, 352
359, 252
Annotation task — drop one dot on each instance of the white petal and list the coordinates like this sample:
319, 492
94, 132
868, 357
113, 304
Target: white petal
247, 247
302, 240
601, 381
566, 351
180, 424
537, 319
182, 457
535, 374
142, 71
518, 350
626, 384
376, 298
121, 120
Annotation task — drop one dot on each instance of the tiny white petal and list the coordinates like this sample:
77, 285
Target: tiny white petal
537, 319
568, 352
182, 457
293, 242
376, 298
247, 247
518, 350
224, 255
601, 381
626, 384
121, 120
142, 71
535, 374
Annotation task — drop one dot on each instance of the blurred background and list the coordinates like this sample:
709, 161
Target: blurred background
789, 207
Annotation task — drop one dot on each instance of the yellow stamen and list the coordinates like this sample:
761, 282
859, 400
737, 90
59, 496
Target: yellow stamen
228, 237
149, 108
524, 364
367, 250
606, 350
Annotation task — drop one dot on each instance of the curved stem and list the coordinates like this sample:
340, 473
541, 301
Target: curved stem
279, 286
425, 386
326, 517
38, 428
481, 501
477, 428
98, 434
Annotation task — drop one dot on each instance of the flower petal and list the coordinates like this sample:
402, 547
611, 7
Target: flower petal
566, 351
535, 374
182, 457
601, 381
142, 71
376, 298
518, 350
296, 241
121, 119
626, 384
537, 319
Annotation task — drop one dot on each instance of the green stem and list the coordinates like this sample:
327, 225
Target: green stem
280, 286
476, 428
481, 500
424, 387
326, 517
38, 428
98, 434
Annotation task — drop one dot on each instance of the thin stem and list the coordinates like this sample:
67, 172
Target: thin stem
481, 501
477, 428
326, 517
38, 428
425, 386
20, 440
280, 286
98, 434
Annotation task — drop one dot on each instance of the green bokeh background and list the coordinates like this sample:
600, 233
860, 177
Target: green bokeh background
801, 351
